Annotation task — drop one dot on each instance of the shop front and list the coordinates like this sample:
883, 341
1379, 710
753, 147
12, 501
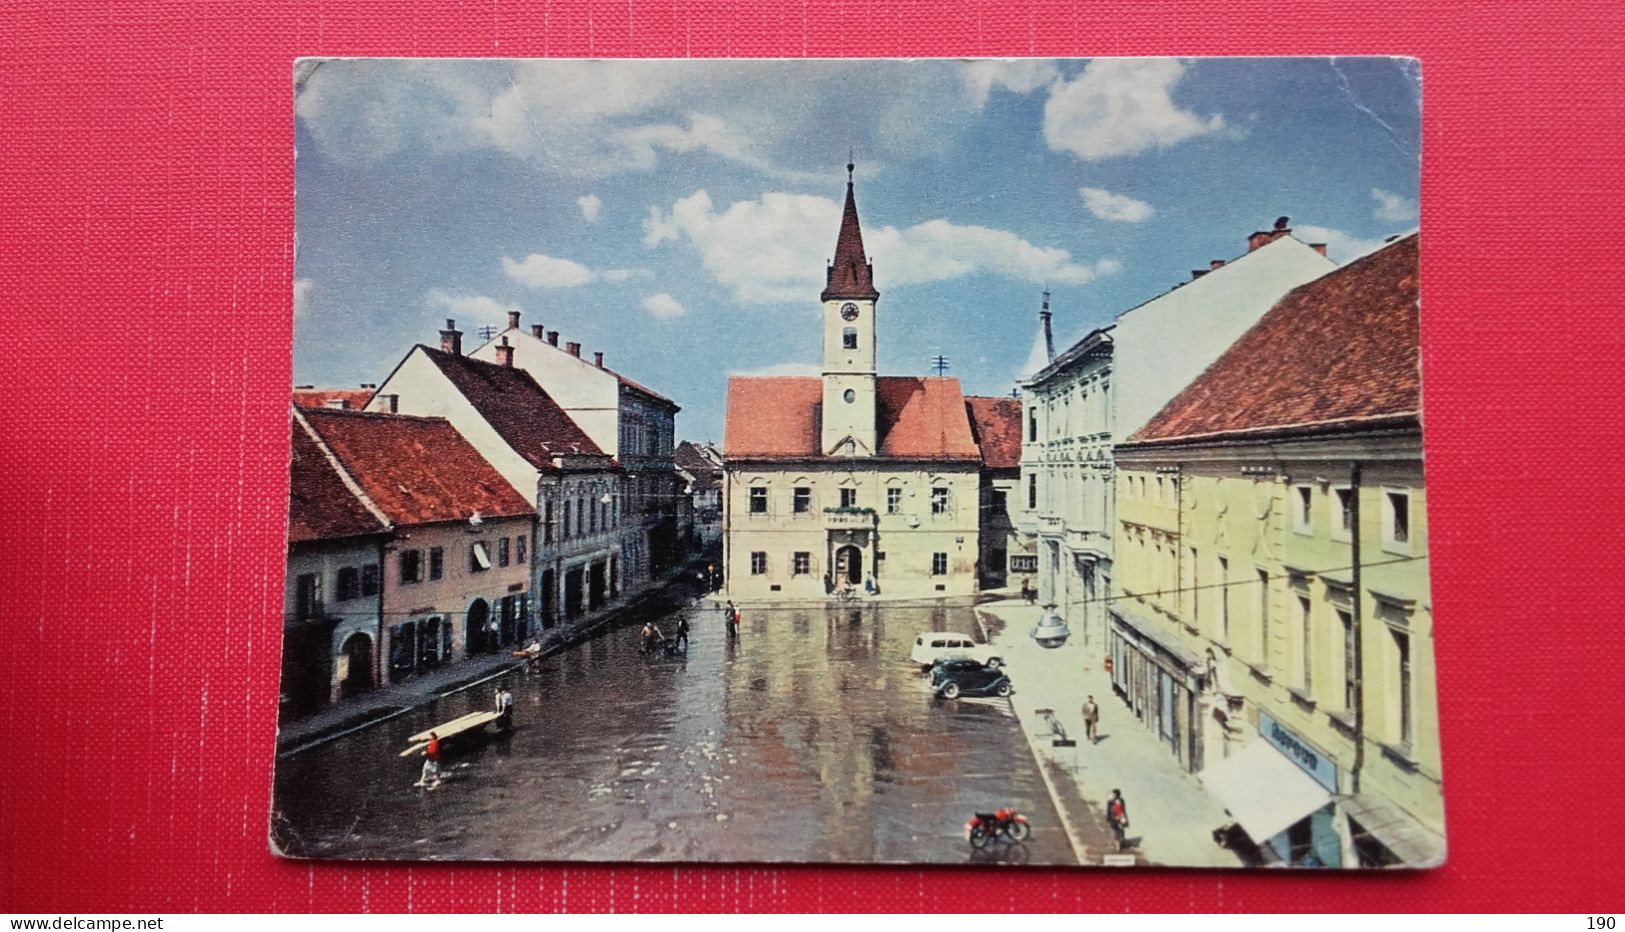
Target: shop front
1156, 677
1282, 792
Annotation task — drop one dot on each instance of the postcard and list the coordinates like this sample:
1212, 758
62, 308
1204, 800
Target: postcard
938, 461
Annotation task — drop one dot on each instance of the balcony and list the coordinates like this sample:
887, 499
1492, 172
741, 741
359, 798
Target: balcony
1051, 525
849, 519
1089, 541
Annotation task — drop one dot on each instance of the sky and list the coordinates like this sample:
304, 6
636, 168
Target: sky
678, 215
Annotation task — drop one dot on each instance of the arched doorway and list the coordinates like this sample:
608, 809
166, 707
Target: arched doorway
849, 564
475, 635
357, 658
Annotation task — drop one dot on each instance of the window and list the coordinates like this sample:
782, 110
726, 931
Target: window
939, 501
564, 533
1223, 575
411, 566
1001, 500
1032, 491
1032, 425
547, 523
1306, 654
479, 559
1351, 678
849, 338
1263, 619
849, 396
519, 546
894, 501
349, 584
1396, 520
502, 552
801, 500
758, 501
308, 595
801, 563
758, 563
1342, 512
1302, 513
939, 564
371, 579
1402, 669
849, 498
437, 562
581, 516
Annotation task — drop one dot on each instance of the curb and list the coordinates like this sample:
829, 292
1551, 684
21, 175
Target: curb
1079, 849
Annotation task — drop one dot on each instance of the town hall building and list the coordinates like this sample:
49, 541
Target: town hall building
850, 480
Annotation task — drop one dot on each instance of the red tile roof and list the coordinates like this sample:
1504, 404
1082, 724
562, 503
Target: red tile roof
416, 470
1340, 351
689, 457
849, 276
997, 424
320, 505
779, 418
351, 399
521, 413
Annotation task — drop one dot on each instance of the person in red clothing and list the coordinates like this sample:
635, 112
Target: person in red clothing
431, 762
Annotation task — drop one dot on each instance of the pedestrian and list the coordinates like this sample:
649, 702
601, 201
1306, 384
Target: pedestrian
431, 762
1091, 717
732, 619
650, 636
504, 707
869, 584
682, 630
1117, 817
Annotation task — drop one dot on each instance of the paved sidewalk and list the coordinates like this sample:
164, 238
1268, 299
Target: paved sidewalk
1171, 818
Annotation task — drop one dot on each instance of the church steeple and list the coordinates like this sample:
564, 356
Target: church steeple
850, 275
1043, 352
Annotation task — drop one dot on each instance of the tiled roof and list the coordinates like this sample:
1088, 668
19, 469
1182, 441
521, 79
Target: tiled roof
779, 418
997, 424
849, 275
1339, 351
689, 457
349, 399
521, 413
416, 470
644, 390
320, 505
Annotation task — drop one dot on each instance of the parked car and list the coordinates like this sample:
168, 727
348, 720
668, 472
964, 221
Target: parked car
932, 646
951, 679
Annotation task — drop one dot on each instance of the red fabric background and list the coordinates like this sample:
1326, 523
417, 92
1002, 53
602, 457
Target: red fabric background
146, 219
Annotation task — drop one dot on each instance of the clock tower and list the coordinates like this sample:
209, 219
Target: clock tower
849, 342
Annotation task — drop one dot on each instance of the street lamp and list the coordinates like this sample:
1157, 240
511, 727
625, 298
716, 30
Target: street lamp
1051, 631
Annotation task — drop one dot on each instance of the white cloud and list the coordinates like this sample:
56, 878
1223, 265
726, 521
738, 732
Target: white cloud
1109, 206
1340, 247
467, 305
539, 271
590, 206
302, 288
769, 250
1392, 207
782, 368
621, 275
1121, 107
1022, 76
664, 306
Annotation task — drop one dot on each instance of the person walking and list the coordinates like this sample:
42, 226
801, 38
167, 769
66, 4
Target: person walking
503, 701
1117, 817
431, 762
1091, 717
682, 631
732, 619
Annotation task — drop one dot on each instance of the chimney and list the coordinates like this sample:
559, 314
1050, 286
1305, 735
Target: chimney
1318, 247
574, 349
1265, 237
451, 339
598, 360
505, 354
513, 320
1198, 273
552, 338
537, 332
1213, 264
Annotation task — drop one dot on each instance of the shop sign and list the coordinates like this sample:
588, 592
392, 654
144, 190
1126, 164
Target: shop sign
1315, 762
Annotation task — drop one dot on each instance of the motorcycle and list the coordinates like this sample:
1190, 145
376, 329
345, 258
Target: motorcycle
984, 828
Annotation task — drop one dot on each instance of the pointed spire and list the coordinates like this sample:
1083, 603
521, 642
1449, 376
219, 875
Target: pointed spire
1043, 352
850, 275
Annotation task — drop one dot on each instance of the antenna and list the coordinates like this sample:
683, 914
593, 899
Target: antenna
939, 363
487, 332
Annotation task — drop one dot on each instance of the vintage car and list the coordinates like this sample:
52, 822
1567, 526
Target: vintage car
951, 679
932, 646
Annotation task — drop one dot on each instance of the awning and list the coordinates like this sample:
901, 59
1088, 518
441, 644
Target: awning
1263, 790
1409, 840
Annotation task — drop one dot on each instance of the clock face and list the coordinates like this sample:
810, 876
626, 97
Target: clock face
849, 312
